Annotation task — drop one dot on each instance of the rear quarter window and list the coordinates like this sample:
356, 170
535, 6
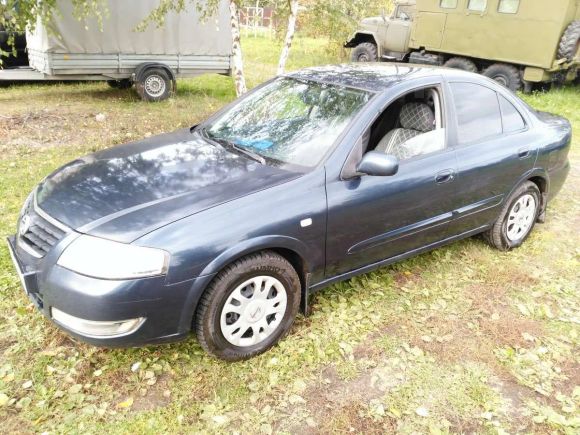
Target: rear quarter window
511, 118
478, 113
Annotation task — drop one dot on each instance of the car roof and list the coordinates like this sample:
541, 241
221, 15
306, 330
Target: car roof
374, 77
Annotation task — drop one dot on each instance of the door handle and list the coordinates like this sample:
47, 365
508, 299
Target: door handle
523, 153
445, 176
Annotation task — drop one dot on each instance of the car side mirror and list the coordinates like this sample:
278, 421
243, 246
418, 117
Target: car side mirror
378, 164
383, 15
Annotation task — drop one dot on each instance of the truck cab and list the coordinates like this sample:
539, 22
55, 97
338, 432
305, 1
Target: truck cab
384, 37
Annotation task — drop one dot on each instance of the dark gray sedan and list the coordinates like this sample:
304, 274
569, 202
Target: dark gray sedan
226, 228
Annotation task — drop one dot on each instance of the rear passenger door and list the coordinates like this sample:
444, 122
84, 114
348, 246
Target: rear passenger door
494, 151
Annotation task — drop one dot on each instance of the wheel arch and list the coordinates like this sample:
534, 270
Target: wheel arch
360, 37
293, 250
143, 67
540, 178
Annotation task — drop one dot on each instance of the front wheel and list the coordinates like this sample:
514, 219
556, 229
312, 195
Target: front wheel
517, 218
248, 307
364, 52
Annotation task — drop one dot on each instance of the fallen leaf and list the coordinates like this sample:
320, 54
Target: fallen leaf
423, 412
126, 403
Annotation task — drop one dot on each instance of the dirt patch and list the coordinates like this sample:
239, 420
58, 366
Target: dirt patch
570, 369
490, 322
351, 418
156, 396
341, 406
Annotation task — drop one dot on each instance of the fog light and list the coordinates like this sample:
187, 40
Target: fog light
96, 329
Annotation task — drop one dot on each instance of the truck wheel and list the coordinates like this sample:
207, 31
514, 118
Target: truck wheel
364, 52
461, 63
154, 85
120, 84
506, 75
570, 42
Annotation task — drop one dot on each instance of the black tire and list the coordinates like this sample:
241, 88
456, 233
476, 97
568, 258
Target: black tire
208, 315
154, 85
570, 41
497, 236
120, 84
504, 74
364, 52
461, 63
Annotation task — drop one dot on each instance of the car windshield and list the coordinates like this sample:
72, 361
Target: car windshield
289, 120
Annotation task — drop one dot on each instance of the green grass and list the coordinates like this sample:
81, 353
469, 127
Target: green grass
461, 339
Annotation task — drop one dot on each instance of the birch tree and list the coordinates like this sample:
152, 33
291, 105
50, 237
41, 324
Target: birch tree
293, 6
238, 67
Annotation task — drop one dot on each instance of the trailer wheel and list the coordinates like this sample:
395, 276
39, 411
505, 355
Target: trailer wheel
461, 63
506, 75
364, 52
570, 42
120, 84
154, 85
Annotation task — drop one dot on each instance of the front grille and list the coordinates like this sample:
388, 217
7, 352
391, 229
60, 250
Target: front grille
40, 235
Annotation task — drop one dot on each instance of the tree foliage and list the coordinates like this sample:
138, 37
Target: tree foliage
19, 15
338, 19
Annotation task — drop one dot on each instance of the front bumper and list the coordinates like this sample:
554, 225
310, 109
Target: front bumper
166, 310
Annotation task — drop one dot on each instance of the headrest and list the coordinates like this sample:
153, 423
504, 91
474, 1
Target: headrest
417, 116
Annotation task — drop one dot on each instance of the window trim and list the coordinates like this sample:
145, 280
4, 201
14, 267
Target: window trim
448, 7
524, 128
480, 11
458, 143
359, 145
498, 93
438, 87
508, 13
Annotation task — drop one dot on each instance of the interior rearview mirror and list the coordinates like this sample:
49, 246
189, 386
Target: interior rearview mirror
378, 164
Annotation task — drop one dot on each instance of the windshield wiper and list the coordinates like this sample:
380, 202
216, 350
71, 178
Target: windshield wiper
232, 145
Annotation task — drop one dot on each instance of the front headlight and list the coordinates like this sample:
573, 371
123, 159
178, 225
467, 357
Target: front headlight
100, 258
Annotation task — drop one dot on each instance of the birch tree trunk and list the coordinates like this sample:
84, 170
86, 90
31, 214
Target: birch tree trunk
289, 35
238, 66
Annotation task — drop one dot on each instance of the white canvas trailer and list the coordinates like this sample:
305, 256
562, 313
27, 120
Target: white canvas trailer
186, 46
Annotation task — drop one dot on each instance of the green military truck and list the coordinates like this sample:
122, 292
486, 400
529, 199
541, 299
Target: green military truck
515, 42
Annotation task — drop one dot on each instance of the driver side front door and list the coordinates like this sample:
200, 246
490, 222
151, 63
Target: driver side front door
373, 218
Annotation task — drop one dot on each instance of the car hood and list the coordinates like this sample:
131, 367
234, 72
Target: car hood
127, 191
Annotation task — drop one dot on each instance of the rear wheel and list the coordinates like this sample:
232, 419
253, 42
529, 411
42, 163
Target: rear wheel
154, 85
364, 52
461, 63
248, 307
506, 75
517, 218
570, 42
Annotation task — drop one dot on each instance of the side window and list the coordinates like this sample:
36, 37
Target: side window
410, 126
478, 115
405, 12
448, 4
477, 5
508, 6
512, 119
